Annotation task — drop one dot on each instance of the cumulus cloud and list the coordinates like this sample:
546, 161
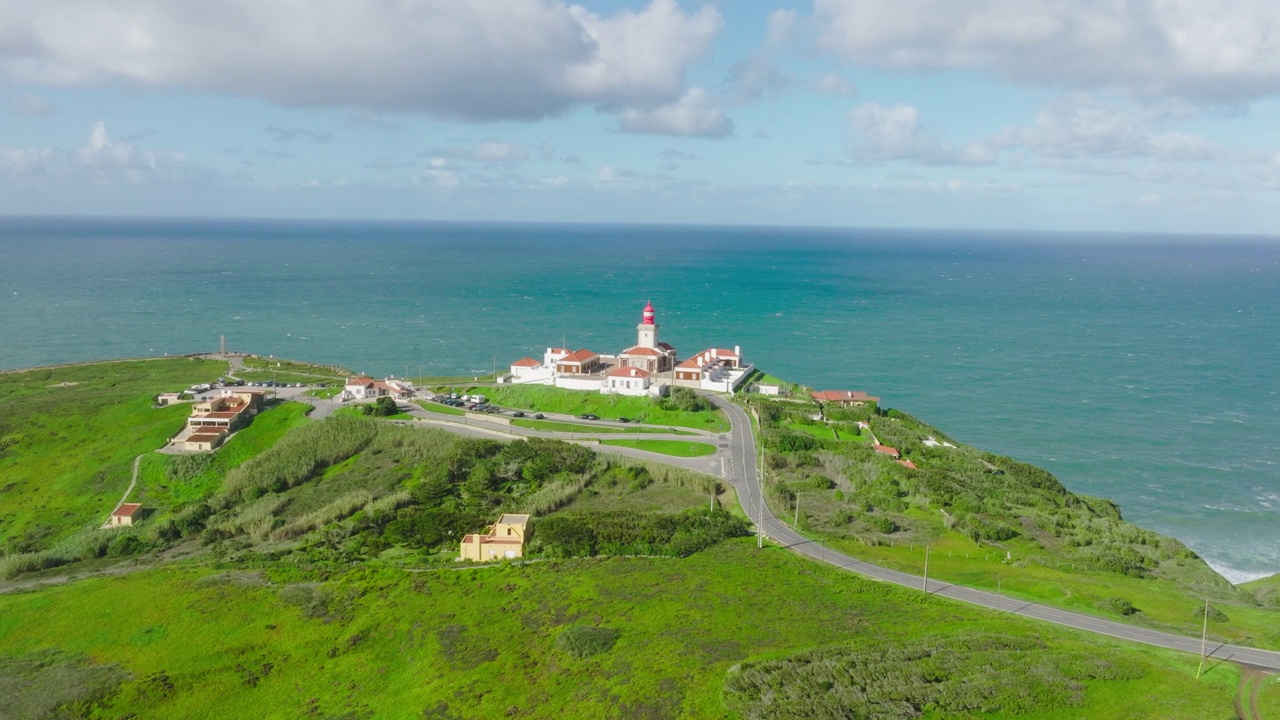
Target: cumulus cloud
494, 60
1077, 126
28, 105
897, 133
101, 160
1206, 50
693, 115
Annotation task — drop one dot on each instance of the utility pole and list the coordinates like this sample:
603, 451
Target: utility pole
1204, 638
926, 569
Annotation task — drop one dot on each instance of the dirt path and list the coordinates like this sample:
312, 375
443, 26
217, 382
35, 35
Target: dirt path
1252, 679
132, 483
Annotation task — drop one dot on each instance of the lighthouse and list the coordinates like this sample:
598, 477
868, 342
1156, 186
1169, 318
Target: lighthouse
647, 330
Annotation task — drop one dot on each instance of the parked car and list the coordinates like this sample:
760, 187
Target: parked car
517, 414
624, 420
539, 416
589, 416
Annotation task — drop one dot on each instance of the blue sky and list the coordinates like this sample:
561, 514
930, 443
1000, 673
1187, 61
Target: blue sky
1147, 115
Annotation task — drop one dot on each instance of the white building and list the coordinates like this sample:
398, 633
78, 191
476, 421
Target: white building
525, 367
366, 388
627, 381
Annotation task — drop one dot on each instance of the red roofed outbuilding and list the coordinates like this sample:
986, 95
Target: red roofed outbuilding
124, 515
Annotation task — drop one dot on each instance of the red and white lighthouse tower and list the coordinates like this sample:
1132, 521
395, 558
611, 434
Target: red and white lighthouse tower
647, 330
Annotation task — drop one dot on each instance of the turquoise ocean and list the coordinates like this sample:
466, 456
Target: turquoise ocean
1145, 369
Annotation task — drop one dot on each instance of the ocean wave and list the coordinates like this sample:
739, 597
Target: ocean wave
1236, 576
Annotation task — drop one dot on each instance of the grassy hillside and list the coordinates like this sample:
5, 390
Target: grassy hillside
375, 641
542, 398
68, 438
306, 569
991, 522
1267, 590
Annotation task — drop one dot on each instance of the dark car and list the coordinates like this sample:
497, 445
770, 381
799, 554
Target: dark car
589, 416
517, 414
539, 416
624, 420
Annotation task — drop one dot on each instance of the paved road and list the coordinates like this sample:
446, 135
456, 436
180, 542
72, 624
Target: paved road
744, 477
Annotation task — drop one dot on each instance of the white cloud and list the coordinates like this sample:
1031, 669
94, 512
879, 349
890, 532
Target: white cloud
1205, 50
1077, 126
101, 160
28, 105
896, 133
500, 59
694, 115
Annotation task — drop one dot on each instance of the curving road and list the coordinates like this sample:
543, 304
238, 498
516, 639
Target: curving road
742, 474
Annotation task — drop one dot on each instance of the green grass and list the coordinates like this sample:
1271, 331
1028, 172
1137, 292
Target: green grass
542, 398
1266, 589
157, 491
290, 366
565, 427
1064, 550
441, 409
286, 377
480, 643
326, 393
66, 453
676, 448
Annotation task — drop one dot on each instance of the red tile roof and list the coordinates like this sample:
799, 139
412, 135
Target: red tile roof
526, 362
843, 396
365, 381
632, 372
641, 351
908, 464
126, 510
886, 450
580, 356
691, 364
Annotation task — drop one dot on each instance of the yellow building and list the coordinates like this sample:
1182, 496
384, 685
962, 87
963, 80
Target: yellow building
503, 541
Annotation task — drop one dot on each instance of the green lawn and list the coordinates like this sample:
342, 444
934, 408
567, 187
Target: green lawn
542, 398
822, 432
66, 453
326, 393
677, 448
480, 643
565, 427
441, 409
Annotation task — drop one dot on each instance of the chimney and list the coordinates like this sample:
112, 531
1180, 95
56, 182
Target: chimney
737, 350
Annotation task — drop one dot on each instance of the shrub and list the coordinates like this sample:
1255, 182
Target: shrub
1215, 615
956, 676
624, 532
685, 400
585, 640
882, 524
1118, 605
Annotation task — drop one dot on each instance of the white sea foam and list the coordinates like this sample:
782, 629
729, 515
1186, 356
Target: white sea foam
1236, 577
